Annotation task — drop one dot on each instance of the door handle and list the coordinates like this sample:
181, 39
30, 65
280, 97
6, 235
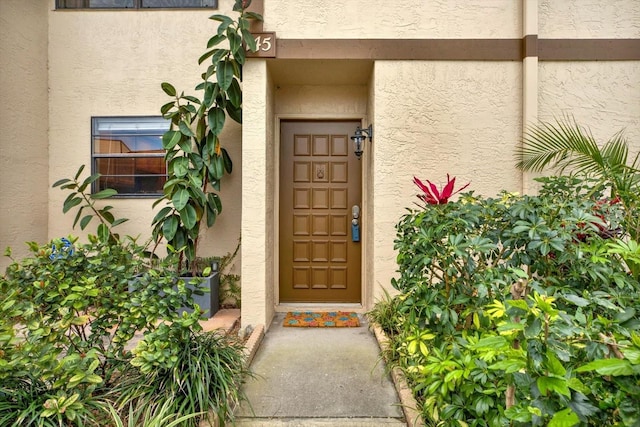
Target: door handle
355, 223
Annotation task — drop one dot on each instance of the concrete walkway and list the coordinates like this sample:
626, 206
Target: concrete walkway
319, 377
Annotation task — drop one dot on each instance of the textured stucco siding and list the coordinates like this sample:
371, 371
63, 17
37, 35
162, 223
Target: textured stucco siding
321, 101
23, 125
603, 96
434, 118
589, 19
111, 63
383, 19
256, 289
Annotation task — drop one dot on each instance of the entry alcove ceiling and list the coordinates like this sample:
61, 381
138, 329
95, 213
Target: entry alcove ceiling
320, 71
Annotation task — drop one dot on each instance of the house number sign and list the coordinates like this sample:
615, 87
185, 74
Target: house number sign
266, 44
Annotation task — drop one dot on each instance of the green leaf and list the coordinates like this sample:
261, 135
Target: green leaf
60, 182
575, 299
564, 418
118, 221
235, 93
235, 40
221, 18
253, 15
185, 129
168, 89
614, 367
180, 199
215, 40
70, 203
633, 354
627, 314
509, 366
170, 227
191, 99
249, 40
180, 166
103, 233
224, 73
170, 139
188, 216
208, 94
211, 215
216, 117
85, 221
234, 112
89, 180
79, 172
496, 342
228, 164
558, 385
104, 194
554, 365
166, 107
206, 55
93, 379
213, 200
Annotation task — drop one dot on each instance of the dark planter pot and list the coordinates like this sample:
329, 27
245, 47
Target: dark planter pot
209, 302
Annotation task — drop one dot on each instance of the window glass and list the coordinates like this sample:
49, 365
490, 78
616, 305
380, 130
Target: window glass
179, 3
111, 3
135, 4
127, 152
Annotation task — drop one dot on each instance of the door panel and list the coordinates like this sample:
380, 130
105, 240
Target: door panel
320, 182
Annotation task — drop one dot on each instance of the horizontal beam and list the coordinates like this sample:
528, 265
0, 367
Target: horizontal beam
462, 49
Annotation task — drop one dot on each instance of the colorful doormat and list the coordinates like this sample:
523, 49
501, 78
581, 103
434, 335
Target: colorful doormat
312, 319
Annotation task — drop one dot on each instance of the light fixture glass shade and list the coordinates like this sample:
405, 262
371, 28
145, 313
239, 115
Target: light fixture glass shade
358, 141
359, 138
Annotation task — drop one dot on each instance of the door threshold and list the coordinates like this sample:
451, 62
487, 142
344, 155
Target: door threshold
319, 306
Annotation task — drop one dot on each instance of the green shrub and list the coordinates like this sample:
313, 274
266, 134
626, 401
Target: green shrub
66, 318
519, 310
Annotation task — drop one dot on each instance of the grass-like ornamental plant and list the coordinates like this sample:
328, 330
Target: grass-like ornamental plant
185, 371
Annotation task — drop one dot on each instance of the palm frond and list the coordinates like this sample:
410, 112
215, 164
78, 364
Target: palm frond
561, 145
566, 145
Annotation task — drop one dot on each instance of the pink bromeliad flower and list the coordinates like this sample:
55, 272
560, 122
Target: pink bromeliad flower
432, 196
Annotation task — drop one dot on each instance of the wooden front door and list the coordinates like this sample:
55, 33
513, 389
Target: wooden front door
320, 183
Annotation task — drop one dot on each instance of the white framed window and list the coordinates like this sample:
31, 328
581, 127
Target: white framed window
136, 4
127, 152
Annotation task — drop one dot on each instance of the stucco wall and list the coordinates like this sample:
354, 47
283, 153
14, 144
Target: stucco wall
602, 96
434, 118
256, 288
384, 19
111, 63
589, 19
23, 125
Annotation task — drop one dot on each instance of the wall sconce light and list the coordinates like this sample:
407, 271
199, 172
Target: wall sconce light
359, 138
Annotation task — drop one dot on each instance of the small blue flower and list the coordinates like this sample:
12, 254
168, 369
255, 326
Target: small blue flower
66, 250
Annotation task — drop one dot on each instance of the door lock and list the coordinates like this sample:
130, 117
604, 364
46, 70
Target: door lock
355, 223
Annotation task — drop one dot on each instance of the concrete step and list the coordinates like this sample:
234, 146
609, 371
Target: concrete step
319, 422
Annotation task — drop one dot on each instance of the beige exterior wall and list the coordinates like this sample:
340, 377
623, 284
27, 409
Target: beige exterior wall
434, 118
394, 20
111, 63
589, 19
257, 196
603, 96
23, 125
